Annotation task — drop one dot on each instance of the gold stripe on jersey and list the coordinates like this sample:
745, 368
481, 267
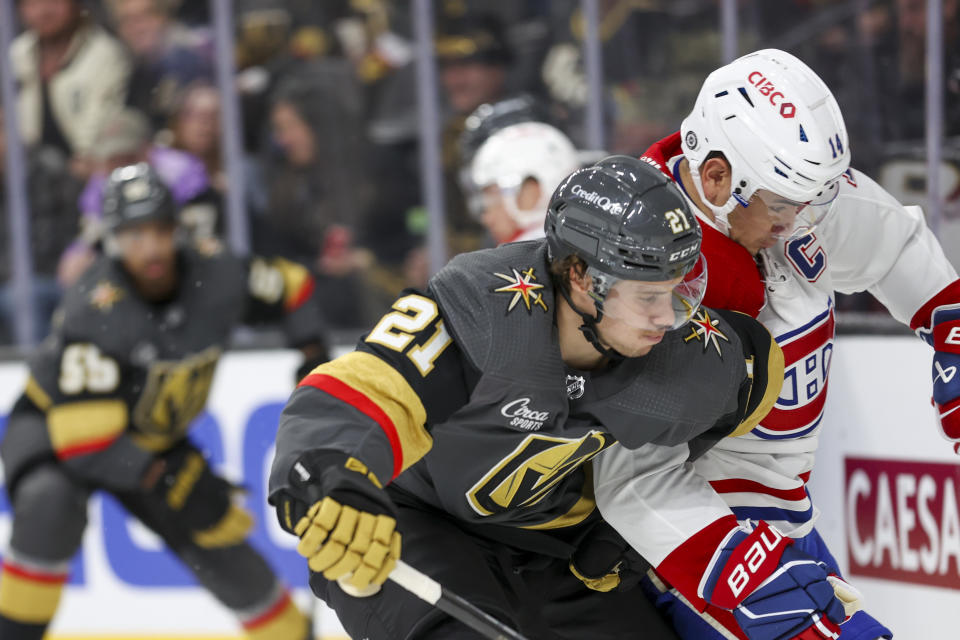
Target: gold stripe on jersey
27, 598
295, 277
773, 379
84, 426
386, 388
37, 395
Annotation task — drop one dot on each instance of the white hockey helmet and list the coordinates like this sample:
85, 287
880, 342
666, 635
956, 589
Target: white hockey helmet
779, 127
520, 151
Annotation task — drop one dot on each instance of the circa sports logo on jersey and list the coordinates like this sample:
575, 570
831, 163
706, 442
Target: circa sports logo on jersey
593, 197
522, 416
523, 286
703, 328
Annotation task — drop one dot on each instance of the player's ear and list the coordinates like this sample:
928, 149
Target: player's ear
715, 177
579, 280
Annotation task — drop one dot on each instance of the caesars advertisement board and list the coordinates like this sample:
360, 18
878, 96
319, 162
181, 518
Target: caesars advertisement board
885, 481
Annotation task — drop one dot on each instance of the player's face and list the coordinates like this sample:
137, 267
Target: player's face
637, 315
495, 217
764, 223
770, 218
149, 252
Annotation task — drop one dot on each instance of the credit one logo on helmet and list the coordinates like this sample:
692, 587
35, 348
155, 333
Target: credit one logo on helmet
767, 88
903, 521
593, 197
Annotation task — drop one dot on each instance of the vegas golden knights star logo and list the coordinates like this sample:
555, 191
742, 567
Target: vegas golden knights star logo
704, 328
523, 286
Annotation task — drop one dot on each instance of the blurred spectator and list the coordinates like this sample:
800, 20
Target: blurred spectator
194, 128
51, 198
167, 55
72, 78
317, 189
127, 139
474, 56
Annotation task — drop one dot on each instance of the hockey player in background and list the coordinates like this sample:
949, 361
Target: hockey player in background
513, 175
764, 161
460, 432
110, 396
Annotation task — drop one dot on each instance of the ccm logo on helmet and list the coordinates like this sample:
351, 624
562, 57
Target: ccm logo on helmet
593, 197
767, 88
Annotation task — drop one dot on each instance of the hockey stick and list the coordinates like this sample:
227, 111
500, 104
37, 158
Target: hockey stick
431, 592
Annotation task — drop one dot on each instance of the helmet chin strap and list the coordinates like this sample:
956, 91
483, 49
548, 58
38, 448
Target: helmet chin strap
589, 328
720, 213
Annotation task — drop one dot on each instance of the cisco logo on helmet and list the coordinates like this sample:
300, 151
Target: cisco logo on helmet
593, 197
767, 88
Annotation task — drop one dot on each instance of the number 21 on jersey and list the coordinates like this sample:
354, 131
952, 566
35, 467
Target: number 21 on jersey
396, 330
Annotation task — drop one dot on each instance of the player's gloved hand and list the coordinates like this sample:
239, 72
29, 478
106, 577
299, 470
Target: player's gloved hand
938, 323
198, 498
348, 532
604, 561
776, 592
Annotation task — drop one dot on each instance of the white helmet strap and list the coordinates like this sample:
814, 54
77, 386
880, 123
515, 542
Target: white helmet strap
720, 213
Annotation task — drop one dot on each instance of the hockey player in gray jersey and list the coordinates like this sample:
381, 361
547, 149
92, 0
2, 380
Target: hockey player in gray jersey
461, 430
109, 400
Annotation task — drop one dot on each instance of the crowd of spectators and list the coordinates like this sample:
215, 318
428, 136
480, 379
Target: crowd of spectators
330, 174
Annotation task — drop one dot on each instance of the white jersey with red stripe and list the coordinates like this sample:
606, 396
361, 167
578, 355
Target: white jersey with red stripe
868, 242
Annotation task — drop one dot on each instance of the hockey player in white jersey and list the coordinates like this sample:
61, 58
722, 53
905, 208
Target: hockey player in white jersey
764, 160
514, 172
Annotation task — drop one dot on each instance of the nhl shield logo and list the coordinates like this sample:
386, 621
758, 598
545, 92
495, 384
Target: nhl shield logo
575, 386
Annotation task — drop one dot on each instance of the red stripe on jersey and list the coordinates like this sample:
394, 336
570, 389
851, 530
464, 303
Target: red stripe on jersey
794, 418
948, 295
84, 448
34, 575
364, 405
737, 485
302, 295
805, 476
271, 613
797, 347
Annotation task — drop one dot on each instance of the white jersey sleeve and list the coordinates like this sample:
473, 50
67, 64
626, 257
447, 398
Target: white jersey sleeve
654, 498
876, 244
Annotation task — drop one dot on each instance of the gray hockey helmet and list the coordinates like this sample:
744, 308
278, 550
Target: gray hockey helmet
135, 194
628, 221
